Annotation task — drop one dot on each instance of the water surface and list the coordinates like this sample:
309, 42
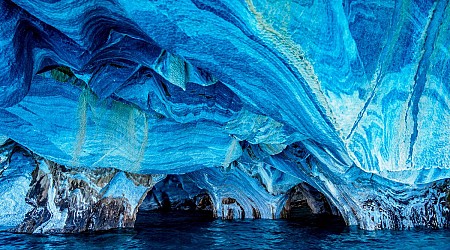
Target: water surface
177, 230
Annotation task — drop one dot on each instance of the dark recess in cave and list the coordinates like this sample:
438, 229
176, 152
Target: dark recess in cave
307, 205
176, 200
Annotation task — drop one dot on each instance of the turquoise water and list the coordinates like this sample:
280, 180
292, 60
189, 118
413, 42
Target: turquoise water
187, 231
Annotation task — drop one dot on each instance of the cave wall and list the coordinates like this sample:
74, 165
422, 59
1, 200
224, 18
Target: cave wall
40, 196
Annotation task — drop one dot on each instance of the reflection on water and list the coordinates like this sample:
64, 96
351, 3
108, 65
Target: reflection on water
177, 230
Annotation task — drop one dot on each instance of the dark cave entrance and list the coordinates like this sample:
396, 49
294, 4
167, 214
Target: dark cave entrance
310, 207
177, 200
174, 200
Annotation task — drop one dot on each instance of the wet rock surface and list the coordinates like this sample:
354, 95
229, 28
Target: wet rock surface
64, 200
52, 198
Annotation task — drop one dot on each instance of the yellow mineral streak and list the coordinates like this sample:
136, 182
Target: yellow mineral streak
143, 145
295, 55
177, 71
82, 122
231, 150
131, 139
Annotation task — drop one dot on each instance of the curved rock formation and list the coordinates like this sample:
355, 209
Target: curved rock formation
246, 99
52, 198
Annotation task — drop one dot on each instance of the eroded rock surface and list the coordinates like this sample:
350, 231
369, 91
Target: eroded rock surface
17, 164
66, 200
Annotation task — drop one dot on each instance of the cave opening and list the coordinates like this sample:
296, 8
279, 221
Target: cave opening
174, 200
310, 207
177, 199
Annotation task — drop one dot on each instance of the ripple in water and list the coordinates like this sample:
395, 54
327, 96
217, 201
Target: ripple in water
186, 230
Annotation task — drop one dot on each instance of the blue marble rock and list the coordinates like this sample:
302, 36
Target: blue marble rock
247, 99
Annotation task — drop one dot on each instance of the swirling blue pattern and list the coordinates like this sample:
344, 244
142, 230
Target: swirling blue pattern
324, 92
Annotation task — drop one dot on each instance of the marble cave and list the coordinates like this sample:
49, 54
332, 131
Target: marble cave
246, 109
